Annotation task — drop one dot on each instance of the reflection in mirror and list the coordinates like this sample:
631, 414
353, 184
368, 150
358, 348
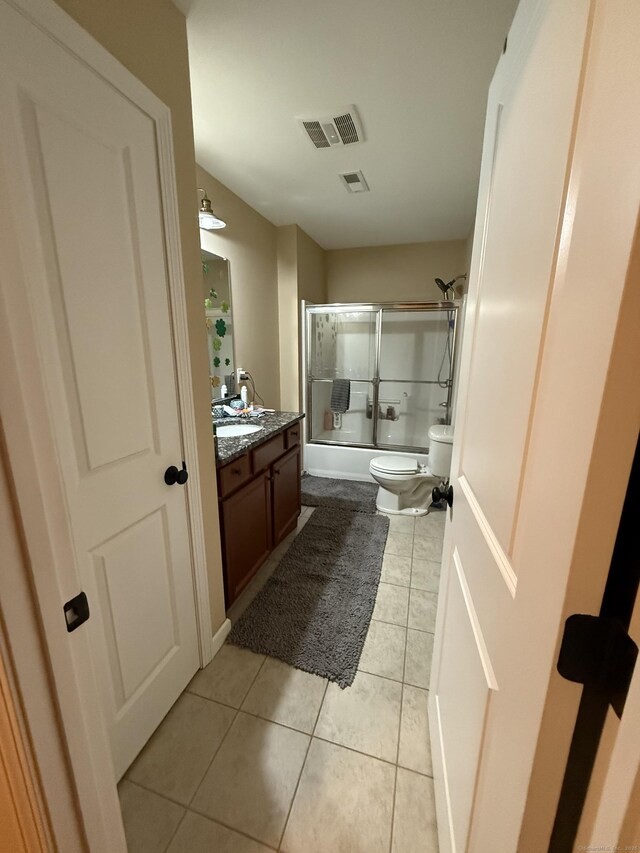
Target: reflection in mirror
216, 283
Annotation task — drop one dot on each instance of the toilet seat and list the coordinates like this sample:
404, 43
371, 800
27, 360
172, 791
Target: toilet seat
395, 465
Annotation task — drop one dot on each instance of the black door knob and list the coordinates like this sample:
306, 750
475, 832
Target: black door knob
175, 475
444, 494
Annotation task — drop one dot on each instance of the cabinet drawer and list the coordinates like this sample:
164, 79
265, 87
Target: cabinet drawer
233, 475
292, 435
268, 452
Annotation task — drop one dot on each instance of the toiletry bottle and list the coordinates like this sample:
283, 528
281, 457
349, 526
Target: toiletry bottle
244, 395
223, 391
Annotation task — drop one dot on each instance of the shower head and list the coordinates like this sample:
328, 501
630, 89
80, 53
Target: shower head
445, 288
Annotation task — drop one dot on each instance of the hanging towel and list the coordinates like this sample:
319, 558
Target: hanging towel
340, 395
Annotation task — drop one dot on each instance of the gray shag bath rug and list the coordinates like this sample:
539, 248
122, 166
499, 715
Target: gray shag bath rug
315, 609
339, 494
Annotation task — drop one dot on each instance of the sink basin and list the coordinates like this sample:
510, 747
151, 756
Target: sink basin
236, 430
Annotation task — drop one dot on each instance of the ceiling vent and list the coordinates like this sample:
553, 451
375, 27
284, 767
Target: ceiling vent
341, 127
355, 182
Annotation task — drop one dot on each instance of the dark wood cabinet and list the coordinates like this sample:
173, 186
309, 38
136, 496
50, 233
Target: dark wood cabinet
259, 506
286, 494
248, 536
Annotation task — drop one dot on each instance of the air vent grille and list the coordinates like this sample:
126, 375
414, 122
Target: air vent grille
346, 129
341, 127
355, 182
316, 134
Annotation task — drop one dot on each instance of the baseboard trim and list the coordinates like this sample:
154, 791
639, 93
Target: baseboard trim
220, 636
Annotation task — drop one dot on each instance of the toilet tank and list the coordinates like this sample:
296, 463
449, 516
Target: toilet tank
440, 447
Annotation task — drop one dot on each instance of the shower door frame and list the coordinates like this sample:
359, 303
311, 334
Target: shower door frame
377, 308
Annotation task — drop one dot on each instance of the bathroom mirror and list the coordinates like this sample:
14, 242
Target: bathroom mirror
216, 286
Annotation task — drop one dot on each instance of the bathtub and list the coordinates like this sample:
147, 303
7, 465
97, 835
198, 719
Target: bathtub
347, 463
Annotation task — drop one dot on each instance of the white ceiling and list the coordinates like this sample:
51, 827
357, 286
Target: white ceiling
418, 73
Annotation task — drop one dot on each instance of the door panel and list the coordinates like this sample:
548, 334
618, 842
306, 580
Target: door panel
465, 687
116, 423
535, 91
485, 732
134, 581
86, 191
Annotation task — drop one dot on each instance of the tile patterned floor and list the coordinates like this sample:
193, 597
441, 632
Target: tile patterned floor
257, 756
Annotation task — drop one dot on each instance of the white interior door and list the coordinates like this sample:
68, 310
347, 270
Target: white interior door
538, 336
83, 184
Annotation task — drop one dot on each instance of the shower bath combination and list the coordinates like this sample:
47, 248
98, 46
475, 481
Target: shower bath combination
399, 361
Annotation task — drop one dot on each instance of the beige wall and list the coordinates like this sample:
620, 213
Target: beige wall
288, 319
311, 269
301, 275
249, 242
393, 273
152, 44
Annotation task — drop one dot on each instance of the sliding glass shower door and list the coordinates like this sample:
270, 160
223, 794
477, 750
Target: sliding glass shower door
398, 361
415, 371
342, 345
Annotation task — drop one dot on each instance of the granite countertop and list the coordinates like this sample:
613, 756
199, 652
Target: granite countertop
272, 423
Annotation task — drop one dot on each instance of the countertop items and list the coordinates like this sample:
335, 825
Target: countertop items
228, 449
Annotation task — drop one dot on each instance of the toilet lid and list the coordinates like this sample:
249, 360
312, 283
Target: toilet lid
395, 464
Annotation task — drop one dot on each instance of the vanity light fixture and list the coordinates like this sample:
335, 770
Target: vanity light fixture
208, 220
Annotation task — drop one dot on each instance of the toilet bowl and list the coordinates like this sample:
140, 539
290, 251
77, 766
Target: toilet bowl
404, 484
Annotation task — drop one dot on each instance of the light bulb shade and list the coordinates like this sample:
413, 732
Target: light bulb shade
208, 220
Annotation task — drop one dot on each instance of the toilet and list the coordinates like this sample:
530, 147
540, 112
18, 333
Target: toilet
404, 484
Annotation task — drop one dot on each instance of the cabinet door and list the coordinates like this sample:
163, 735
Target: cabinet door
286, 494
246, 525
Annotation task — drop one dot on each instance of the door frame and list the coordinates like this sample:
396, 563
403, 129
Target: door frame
37, 480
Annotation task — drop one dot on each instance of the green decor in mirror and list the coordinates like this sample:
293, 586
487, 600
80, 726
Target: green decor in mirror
218, 319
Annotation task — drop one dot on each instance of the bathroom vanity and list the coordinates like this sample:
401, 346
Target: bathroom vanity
259, 493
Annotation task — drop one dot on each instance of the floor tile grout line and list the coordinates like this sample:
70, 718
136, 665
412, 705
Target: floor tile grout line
151, 791
393, 807
378, 675
226, 734
420, 630
353, 749
295, 792
302, 731
175, 831
395, 777
191, 808
275, 722
231, 828
397, 624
